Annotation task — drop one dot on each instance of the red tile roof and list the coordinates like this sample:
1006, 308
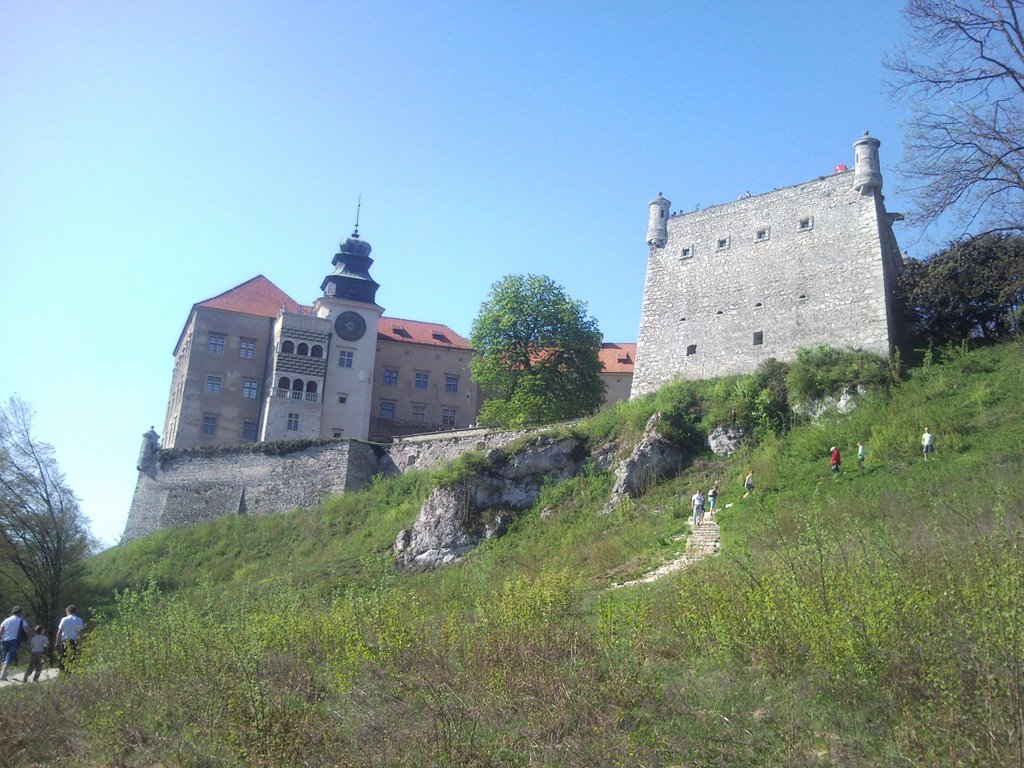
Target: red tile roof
618, 358
258, 296
416, 332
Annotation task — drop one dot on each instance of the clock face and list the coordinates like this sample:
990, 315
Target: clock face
350, 326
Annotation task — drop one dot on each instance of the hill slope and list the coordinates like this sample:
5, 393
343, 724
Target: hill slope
868, 619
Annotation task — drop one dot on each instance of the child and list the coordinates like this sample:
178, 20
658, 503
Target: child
38, 644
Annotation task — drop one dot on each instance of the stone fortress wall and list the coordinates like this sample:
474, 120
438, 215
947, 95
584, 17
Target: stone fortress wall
188, 486
733, 285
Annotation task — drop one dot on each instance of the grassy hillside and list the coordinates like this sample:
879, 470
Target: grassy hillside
868, 619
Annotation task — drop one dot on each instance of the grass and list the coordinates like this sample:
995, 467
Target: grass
875, 618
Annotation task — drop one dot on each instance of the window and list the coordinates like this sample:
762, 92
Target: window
303, 349
390, 377
288, 348
316, 351
337, 432
249, 430
247, 348
422, 380
448, 417
807, 224
687, 252
451, 383
387, 410
209, 425
250, 389
214, 384
691, 349
723, 243
297, 386
419, 412
762, 234
311, 393
345, 357
758, 338
215, 345
342, 399
293, 422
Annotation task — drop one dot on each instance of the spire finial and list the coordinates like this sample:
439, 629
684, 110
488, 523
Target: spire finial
359, 204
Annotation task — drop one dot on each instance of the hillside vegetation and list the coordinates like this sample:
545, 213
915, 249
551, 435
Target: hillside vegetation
874, 618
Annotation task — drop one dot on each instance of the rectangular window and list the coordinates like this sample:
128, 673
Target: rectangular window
422, 380
806, 224
758, 338
250, 389
762, 234
293, 422
387, 410
448, 417
249, 430
337, 432
723, 243
342, 399
209, 425
214, 384
451, 383
390, 377
345, 357
215, 345
687, 252
419, 412
247, 348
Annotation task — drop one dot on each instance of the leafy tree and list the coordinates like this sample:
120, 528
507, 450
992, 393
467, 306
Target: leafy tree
44, 537
825, 371
963, 72
973, 289
537, 351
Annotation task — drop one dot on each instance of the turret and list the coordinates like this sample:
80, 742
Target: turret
657, 223
150, 444
867, 174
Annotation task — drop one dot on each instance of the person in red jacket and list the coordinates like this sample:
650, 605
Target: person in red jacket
836, 460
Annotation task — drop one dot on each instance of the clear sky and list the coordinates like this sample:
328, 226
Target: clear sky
155, 154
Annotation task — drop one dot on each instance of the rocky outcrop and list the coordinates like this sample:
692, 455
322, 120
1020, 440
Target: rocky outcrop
844, 402
653, 458
455, 519
725, 441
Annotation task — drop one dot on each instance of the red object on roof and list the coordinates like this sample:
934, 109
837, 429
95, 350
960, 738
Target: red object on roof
416, 332
840, 168
618, 358
258, 296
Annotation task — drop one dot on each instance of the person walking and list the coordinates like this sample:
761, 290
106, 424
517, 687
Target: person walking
697, 503
861, 455
13, 632
712, 499
39, 643
928, 444
69, 632
837, 460
748, 484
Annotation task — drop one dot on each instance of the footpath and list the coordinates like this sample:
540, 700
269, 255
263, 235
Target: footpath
701, 543
15, 678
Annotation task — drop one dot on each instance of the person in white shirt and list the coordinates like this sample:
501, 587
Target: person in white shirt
928, 444
38, 644
69, 632
10, 638
697, 502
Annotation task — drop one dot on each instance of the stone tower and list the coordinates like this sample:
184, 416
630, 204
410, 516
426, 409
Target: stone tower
733, 285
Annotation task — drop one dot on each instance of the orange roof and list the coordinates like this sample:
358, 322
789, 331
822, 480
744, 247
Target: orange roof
257, 296
416, 332
618, 358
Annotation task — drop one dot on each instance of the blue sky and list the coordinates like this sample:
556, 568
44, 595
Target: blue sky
155, 154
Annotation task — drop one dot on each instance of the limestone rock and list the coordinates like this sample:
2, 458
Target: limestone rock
652, 458
725, 441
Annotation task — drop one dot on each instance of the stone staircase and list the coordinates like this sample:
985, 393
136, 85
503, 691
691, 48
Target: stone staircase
702, 542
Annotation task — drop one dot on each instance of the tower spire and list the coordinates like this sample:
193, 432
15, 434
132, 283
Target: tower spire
359, 204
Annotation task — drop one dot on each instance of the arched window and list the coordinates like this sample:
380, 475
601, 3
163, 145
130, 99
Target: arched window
288, 347
316, 351
311, 387
303, 349
311, 391
283, 386
297, 389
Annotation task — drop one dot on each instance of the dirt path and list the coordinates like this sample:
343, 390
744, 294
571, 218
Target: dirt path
701, 543
15, 678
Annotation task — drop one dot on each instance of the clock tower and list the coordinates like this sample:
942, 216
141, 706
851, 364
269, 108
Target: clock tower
349, 305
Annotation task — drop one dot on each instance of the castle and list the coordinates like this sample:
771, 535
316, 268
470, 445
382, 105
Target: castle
730, 286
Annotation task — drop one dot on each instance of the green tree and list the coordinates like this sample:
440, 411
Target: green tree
963, 73
44, 537
973, 289
537, 352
